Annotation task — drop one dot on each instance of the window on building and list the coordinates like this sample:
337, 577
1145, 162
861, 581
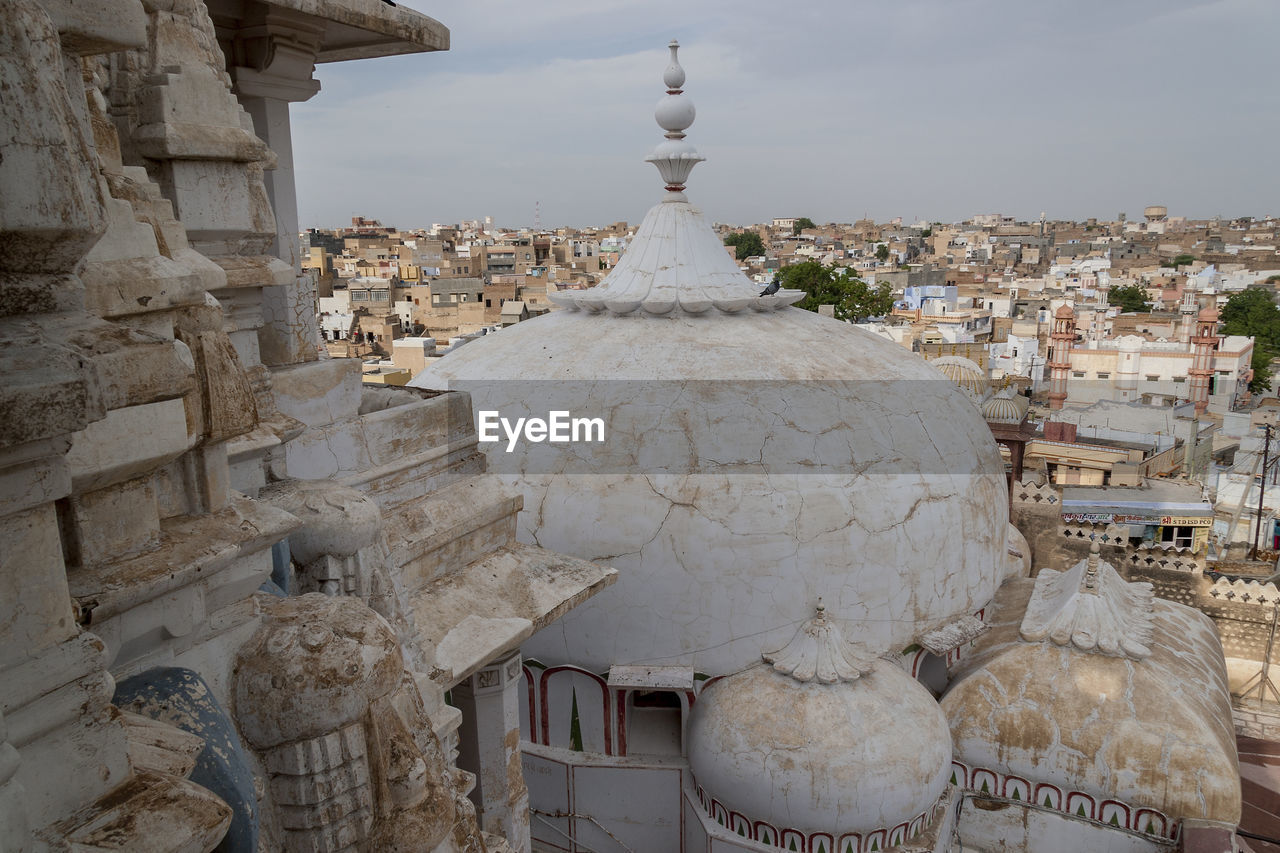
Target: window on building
488, 303
1077, 374
1151, 377
1102, 374
1179, 380
1179, 537
359, 296
379, 296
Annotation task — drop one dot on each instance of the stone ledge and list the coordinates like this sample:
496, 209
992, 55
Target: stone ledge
497, 603
192, 548
151, 813
364, 29
1256, 722
449, 516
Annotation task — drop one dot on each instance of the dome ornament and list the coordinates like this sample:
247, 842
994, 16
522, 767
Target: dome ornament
1091, 608
818, 652
674, 158
675, 263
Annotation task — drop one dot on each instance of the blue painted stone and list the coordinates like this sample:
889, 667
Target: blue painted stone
282, 567
181, 698
269, 586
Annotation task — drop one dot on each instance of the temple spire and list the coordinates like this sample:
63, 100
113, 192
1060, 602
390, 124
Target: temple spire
674, 157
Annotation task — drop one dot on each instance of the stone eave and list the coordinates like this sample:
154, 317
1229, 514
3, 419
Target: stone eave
358, 29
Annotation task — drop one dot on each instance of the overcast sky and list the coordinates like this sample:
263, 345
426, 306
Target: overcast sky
924, 109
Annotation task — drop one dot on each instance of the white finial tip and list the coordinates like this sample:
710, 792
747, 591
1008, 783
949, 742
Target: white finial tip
673, 76
674, 157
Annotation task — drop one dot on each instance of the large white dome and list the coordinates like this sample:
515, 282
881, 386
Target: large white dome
878, 488
757, 457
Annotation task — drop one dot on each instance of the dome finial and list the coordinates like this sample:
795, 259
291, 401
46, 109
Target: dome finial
1090, 581
674, 158
1092, 608
674, 75
818, 652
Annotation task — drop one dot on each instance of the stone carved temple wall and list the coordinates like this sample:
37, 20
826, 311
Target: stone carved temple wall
235, 586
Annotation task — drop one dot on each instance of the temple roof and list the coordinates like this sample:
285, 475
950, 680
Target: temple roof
349, 29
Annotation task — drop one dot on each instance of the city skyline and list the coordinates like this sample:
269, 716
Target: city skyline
924, 110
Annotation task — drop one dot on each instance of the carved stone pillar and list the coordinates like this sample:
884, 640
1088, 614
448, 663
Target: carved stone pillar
490, 746
53, 687
272, 55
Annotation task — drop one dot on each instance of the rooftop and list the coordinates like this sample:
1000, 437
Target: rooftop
1165, 494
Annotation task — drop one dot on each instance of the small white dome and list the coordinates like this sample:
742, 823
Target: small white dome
964, 372
854, 756
1002, 409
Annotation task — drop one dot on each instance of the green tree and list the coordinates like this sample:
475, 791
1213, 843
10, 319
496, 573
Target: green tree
926, 233
1130, 297
802, 223
1261, 364
1182, 261
852, 297
746, 244
882, 253
1253, 312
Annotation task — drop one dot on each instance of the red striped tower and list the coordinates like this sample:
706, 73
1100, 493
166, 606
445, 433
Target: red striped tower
1203, 346
1062, 339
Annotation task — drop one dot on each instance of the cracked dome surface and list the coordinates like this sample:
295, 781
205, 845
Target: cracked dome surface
753, 463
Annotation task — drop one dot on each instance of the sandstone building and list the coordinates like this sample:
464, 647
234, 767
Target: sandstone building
235, 587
